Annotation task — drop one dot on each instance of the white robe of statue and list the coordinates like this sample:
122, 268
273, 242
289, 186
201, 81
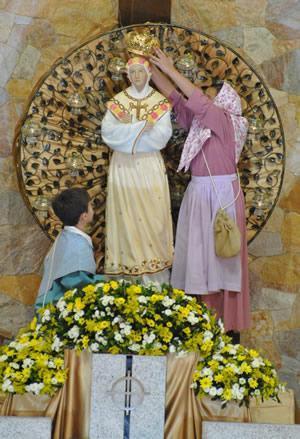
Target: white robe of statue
139, 237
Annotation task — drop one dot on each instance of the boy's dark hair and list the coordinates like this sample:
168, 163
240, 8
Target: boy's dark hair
69, 204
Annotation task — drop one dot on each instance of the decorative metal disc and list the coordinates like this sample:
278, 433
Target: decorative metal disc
58, 142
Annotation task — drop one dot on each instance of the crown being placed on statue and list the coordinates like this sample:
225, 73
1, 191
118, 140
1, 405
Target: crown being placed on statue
141, 43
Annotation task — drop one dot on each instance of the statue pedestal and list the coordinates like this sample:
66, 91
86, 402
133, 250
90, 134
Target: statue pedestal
233, 430
127, 397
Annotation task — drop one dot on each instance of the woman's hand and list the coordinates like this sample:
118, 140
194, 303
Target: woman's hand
164, 62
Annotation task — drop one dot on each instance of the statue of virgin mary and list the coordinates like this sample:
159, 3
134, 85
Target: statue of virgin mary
137, 125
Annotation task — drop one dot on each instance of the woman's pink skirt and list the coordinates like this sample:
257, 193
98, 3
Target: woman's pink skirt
222, 283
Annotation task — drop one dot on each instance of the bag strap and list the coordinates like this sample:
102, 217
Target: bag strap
215, 187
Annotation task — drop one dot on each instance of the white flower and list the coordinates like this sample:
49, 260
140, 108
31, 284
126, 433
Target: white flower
73, 333
134, 347
193, 386
118, 337
242, 381
232, 351
257, 362
206, 371
96, 314
79, 314
7, 386
212, 391
148, 339
218, 357
99, 285
14, 365
143, 299
220, 390
221, 326
51, 364
34, 388
172, 348
167, 302
192, 319
57, 344
3, 358
116, 320
46, 316
64, 313
100, 339
208, 335
94, 347
256, 392
53, 381
61, 304
107, 300
168, 312
126, 328
28, 362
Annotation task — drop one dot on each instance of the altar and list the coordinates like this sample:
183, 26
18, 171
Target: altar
69, 409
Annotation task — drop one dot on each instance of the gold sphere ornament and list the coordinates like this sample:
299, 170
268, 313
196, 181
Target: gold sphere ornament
77, 101
31, 132
116, 67
42, 204
141, 43
186, 64
74, 163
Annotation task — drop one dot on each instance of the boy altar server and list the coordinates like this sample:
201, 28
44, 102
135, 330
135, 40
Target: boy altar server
70, 263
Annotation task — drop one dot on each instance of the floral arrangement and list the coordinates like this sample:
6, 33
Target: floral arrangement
236, 373
114, 317
121, 318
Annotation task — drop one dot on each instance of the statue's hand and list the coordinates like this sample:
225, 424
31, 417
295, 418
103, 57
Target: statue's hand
148, 126
125, 118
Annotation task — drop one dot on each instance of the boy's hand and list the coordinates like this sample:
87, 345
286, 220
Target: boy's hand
164, 62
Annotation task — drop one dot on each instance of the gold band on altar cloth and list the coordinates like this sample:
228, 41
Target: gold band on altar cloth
139, 238
70, 407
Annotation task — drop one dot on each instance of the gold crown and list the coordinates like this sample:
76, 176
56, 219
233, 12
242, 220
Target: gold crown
141, 43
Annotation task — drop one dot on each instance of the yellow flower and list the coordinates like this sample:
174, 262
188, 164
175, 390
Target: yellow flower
207, 346
119, 301
33, 324
79, 305
219, 378
156, 298
150, 322
68, 294
252, 383
106, 288
60, 376
245, 368
89, 289
205, 382
85, 341
114, 285
70, 306
227, 394
253, 353
187, 331
114, 350
169, 325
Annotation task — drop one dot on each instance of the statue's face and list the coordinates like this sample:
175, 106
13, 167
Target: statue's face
138, 76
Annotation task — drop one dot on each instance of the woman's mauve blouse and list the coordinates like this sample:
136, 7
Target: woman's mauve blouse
219, 149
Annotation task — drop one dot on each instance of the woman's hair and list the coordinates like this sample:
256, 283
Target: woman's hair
69, 204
